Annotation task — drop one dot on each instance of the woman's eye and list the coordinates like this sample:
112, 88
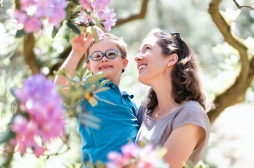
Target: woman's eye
147, 48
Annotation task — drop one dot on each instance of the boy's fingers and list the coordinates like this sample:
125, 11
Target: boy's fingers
89, 37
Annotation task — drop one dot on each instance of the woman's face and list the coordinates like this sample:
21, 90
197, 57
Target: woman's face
151, 63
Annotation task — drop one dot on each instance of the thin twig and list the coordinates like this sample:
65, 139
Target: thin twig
244, 6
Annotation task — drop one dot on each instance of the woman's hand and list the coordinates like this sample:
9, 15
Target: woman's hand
81, 43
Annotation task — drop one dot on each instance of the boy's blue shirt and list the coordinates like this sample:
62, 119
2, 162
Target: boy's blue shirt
118, 124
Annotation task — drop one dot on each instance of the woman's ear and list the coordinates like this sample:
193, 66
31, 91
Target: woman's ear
172, 60
125, 63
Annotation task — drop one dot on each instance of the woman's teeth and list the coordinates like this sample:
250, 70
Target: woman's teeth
142, 66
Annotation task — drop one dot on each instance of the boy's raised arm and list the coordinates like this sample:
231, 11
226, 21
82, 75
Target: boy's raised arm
79, 47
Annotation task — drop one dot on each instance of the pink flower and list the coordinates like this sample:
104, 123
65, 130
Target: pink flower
148, 157
20, 125
44, 8
117, 159
57, 18
130, 150
25, 4
21, 18
106, 14
109, 23
85, 17
113, 165
40, 99
99, 32
32, 24
100, 4
52, 9
86, 4
39, 151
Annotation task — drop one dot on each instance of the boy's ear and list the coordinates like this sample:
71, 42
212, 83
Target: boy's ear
172, 59
125, 63
88, 67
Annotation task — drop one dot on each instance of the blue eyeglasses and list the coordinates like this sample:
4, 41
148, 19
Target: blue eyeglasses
110, 54
180, 42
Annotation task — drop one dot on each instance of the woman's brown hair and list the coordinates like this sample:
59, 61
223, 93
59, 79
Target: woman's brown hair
186, 84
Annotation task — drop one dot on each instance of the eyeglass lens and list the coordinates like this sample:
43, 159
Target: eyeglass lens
110, 54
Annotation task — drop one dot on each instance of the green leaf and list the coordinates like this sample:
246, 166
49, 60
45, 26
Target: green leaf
6, 136
12, 90
61, 72
102, 89
88, 89
103, 83
101, 27
95, 35
78, 74
54, 32
105, 101
96, 83
73, 27
75, 2
83, 71
67, 13
89, 164
91, 117
90, 123
20, 33
99, 164
93, 101
95, 77
88, 73
77, 8
74, 35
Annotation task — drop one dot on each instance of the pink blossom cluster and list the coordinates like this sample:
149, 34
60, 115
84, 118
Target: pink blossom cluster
99, 9
32, 12
146, 157
39, 98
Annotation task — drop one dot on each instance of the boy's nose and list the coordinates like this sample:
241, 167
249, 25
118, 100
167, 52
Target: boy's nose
104, 59
138, 57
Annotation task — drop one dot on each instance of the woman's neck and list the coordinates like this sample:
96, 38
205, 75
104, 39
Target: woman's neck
163, 90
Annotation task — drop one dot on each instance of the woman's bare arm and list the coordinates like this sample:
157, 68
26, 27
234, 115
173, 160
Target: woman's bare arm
181, 143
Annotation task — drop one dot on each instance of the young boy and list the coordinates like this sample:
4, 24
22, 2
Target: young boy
118, 122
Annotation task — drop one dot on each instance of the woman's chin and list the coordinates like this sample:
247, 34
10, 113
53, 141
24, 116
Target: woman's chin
142, 79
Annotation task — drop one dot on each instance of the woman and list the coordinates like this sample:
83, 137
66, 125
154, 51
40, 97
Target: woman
173, 114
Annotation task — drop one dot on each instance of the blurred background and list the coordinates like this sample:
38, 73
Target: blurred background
231, 141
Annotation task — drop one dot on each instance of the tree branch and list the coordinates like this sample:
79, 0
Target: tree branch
239, 7
141, 14
29, 55
235, 93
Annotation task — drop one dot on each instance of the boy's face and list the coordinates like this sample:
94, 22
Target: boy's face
112, 66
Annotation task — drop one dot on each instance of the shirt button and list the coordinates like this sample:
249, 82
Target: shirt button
113, 87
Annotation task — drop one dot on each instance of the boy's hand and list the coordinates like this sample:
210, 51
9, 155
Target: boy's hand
81, 43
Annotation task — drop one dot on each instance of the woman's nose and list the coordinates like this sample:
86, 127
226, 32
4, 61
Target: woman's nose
138, 57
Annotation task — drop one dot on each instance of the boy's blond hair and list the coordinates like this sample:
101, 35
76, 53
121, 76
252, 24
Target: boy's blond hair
121, 45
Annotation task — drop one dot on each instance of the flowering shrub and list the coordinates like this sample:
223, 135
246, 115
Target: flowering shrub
132, 154
39, 99
85, 13
32, 12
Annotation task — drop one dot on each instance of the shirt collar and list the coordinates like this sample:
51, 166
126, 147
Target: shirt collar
124, 93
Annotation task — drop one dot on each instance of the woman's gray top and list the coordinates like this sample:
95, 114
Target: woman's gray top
158, 131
